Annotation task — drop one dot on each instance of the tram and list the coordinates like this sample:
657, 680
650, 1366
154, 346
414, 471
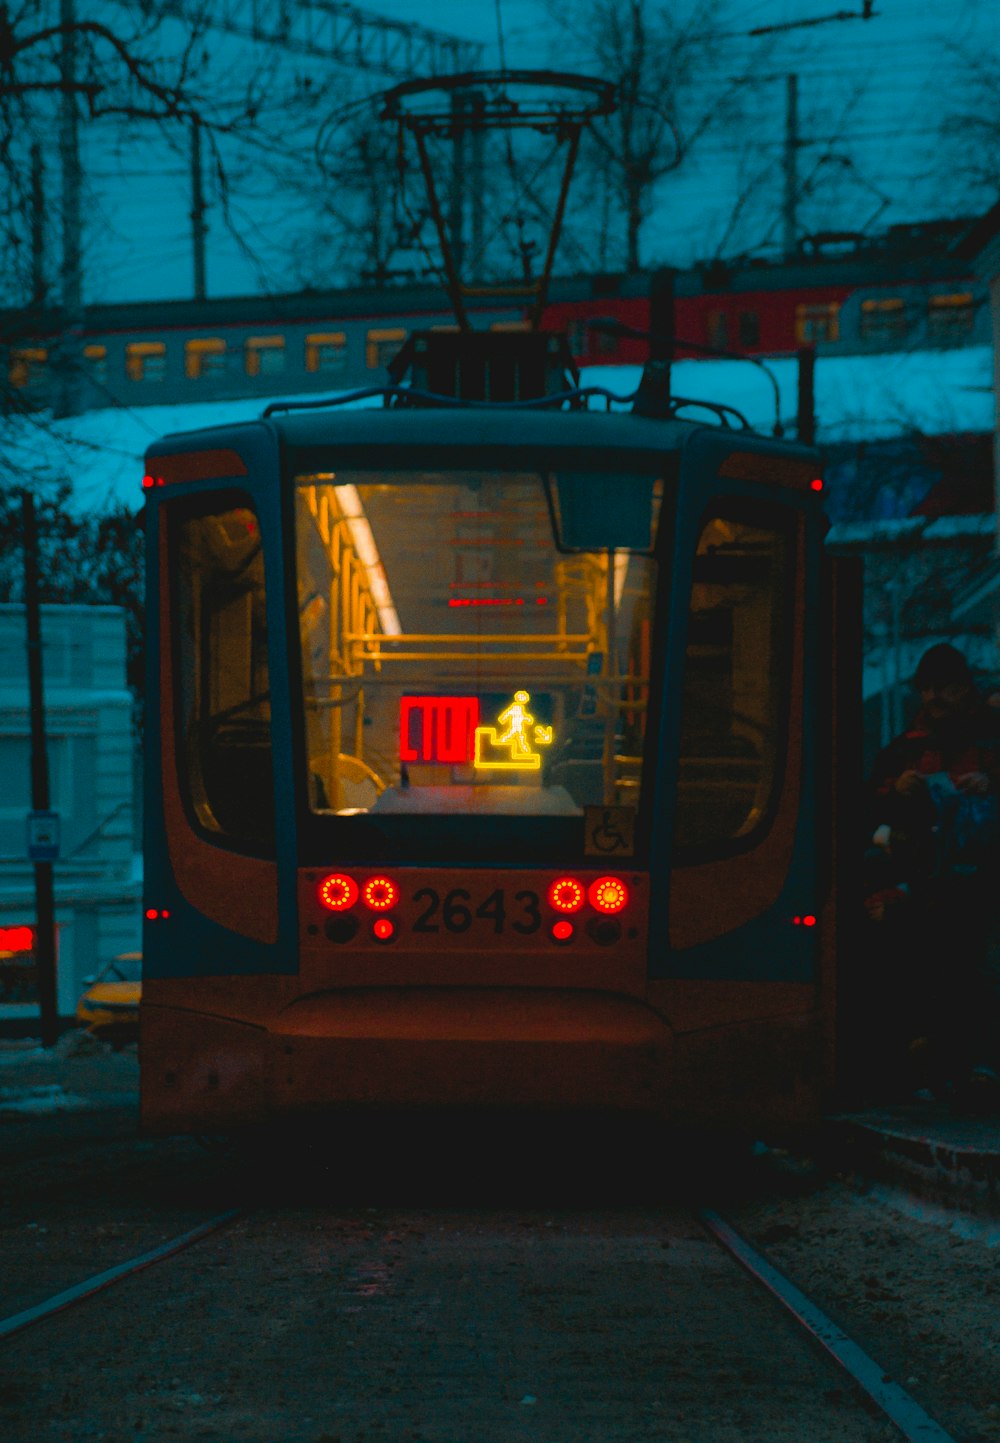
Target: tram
491, 758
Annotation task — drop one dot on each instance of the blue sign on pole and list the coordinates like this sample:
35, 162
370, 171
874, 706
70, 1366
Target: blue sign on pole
43, 836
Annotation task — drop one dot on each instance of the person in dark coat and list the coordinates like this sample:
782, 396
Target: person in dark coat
935, 829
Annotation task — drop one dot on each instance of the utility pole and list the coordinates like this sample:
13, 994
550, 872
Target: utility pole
37, 226
459, 106
71, 288
45, 931
477, 181
199, 229
791, 166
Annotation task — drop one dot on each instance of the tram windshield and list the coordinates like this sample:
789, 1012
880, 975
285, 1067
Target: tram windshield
475, 642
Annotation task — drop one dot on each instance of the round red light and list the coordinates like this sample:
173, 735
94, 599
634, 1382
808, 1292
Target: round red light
383, 929
147, 482
151, 914
338, 892
566, 895
816, 485
379, 894
607, 894
808, 921
562, 930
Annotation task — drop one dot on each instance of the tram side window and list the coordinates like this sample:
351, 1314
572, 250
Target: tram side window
734, 684
224, 698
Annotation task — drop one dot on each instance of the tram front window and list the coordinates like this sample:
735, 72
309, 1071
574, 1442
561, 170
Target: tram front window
463, 653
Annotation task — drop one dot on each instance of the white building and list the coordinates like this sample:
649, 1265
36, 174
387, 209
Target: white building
91, 748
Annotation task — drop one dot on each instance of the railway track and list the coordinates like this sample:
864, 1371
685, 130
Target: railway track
363, 1284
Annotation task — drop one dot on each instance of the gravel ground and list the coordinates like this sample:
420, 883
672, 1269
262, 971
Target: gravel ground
455, 1287
904, 1282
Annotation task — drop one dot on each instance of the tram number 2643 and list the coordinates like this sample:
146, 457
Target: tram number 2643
455, 913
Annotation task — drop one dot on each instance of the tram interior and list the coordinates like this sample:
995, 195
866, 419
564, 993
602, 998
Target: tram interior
456, 659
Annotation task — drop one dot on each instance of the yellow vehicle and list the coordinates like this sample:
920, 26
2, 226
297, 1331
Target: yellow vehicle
109, 1008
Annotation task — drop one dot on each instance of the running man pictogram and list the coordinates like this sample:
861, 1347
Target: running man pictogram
516, 719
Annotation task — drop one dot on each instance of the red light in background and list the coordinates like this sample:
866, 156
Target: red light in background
816, 485
147, 482
562, 930
20, 938
807, 921
380, 894
607, 894
337, 892
485, 601
383, 929
566, 895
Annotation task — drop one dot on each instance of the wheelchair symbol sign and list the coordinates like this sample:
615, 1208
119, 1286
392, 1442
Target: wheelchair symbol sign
609, 831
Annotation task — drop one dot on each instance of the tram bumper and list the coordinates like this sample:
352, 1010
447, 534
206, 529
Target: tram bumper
511, 1048
530, 1048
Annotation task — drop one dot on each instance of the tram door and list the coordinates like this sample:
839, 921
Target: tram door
212, 824
737, 944
740, 751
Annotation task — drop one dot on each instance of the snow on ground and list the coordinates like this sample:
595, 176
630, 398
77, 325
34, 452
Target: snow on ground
44, 1098
857, 398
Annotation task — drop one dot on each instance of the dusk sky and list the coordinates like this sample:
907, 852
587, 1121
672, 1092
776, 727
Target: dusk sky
872, 95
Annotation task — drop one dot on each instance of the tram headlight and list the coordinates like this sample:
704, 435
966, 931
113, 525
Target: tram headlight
337, 893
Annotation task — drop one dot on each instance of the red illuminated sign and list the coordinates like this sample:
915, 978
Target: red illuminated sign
437, 728
17, 939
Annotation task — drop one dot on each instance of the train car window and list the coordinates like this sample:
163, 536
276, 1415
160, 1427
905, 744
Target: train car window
951, 315
883, 319
578, 336
326, 351
382, 346
817, 321
456, 660
146, 360
264, 355
224, 705
749, 328
733, 687
96, 360
717, 327
204, 356
26, 365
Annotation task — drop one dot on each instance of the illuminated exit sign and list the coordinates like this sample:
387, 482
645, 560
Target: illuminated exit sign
438, 728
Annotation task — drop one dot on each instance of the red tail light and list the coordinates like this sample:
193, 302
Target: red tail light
562, 931
379, 894
566, 895
383, 929
607, 894
338, 892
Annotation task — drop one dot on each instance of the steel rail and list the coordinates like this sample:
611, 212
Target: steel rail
71, 1296
905, 1412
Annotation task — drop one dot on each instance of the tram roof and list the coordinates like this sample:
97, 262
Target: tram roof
307, 435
